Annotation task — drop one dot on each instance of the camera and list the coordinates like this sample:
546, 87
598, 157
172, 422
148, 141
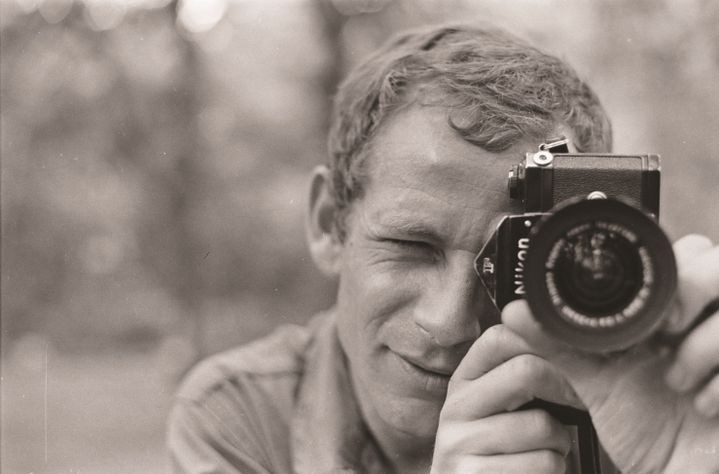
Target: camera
587, 253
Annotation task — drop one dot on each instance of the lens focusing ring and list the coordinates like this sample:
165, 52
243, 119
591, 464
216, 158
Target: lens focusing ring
599, 274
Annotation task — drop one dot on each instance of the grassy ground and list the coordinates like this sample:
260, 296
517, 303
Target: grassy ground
84, 414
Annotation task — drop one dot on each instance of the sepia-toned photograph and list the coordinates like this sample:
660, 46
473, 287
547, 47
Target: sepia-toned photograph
359, 236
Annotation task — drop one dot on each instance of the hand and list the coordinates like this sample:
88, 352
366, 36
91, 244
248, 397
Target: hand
696, 364
643, 424
479, 432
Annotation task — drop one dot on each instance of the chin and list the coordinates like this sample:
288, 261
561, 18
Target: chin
414, 417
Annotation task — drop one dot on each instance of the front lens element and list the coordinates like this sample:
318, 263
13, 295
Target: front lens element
598, 272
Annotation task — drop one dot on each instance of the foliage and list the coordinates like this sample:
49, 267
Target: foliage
154, 179
154, 168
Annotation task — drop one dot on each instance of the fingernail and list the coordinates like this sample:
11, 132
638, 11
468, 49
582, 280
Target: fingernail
706, 405
678, 379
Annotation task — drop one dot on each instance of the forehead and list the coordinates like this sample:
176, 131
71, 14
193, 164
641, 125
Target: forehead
417, 143
419, 168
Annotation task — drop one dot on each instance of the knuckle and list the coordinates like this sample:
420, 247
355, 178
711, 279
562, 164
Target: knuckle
450, 412
494, 333
710, 393
461, 464
527, 367
689, 246
698, 283
697, 288
528, 375
446, 439
694, 239
454, 440
699, 350
452, 385
502, 338
444, 463
541, 423
691, 355
550, 462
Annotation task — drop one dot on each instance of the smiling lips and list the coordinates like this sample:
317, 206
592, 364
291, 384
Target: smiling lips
432, 379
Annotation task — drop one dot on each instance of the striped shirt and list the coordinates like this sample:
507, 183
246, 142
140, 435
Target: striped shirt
281, 404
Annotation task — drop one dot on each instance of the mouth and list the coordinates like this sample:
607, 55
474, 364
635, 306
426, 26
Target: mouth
432, 379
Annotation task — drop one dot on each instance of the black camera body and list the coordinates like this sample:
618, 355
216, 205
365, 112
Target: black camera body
588, 256
587, 253
552, 175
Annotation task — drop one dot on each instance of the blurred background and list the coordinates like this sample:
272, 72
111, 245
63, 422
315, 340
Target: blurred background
155, 157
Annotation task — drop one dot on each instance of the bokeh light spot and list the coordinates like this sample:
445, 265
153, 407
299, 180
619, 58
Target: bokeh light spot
53, 11
104, 15
199, 16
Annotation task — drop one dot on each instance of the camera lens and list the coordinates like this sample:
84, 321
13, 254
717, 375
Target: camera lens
600, 274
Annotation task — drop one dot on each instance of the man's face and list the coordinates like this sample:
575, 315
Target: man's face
409, 302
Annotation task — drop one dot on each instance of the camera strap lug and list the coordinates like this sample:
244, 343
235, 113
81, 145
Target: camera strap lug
555, 145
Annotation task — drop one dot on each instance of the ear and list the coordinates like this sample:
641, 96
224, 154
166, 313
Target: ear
325, 247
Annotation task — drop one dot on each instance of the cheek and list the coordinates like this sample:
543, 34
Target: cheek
374, 300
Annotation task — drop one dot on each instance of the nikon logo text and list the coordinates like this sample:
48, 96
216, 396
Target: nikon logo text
522, 246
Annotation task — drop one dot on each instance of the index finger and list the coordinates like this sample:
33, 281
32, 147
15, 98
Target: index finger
576, 365
495, 346
698, 283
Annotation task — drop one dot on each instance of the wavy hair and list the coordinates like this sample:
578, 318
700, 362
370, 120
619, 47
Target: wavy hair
499, 89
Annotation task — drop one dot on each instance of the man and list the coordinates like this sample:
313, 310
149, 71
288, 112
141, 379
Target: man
402, 374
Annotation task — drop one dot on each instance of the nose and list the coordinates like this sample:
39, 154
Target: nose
450, 306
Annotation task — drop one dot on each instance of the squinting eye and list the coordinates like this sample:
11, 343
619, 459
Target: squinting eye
414, 247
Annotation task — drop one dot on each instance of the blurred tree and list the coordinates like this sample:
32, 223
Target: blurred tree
99, 111
153, 178
170, 246
332, 23
669, 52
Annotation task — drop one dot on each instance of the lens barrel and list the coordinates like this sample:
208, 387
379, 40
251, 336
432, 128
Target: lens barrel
600, 274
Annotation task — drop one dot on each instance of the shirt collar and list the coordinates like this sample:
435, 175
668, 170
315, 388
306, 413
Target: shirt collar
328, 434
